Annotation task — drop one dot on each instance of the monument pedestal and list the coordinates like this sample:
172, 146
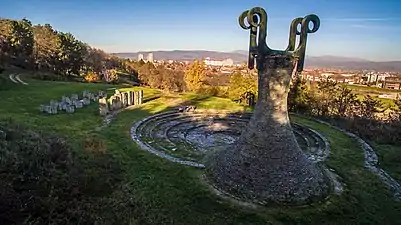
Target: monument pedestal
267, 164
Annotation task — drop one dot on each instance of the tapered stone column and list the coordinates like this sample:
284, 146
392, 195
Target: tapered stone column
267, 164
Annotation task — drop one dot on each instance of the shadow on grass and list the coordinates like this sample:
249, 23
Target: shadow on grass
151, 98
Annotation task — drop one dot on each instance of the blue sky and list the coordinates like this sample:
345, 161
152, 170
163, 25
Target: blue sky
355, 28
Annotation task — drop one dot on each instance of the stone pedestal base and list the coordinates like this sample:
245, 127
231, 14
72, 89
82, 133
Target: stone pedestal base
267, 164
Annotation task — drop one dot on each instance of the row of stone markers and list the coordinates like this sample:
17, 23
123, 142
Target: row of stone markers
120, 100
70, 103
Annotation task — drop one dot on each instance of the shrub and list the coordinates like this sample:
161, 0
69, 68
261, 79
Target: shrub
91, 77
43, 181
110, 76
241, 83
338, 104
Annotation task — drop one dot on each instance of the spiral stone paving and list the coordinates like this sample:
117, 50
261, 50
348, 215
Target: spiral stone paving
188, 137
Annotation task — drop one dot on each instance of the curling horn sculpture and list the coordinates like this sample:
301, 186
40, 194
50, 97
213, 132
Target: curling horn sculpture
267, 165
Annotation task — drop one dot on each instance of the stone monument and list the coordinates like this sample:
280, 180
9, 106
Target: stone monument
140, 97
103, 106
130, 98
267, 165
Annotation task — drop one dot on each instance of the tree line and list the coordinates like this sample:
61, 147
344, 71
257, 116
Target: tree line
49, 52
42, 48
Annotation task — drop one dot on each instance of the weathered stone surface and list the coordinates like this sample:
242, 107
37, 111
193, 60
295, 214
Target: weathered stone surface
118, 102
110, 101
267, 163
140, 97
124, 101
70, 109
42, 108
86, 101
136, 95
103, 107
68, 100
130, 98
74, 97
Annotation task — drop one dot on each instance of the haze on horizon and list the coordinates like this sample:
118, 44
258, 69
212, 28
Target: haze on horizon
362, 29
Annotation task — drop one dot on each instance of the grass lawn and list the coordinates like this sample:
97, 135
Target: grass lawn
390, 159
373, 90
151, 190
386, 103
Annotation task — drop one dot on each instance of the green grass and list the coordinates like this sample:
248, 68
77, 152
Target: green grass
373, 90
362, 91
21, 103
389, 159
5, 82
155, 191
386, 103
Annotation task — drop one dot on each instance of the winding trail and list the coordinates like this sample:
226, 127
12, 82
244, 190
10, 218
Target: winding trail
15, 78
19, 80
12, 78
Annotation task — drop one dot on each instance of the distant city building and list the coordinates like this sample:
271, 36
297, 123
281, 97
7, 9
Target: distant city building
150, 57
140, 57
225, 62
392, 83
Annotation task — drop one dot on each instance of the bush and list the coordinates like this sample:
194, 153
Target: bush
110, 76
241, 83
43, 181
91, 77
213, 91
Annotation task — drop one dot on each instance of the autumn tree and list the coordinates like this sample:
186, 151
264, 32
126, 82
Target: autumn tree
17, 40
298, 99
94, 60
369, 107
129, 67
5, 40
71, 56
345, 101
240, 83
47, 47
322, 96
172, 80
145, 72
195, 76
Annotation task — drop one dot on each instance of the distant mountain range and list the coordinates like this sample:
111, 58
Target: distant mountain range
242, 56
352, 63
